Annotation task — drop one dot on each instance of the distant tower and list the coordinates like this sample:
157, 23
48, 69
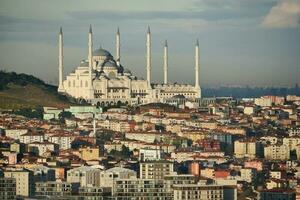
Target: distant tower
60, 62
148, 44
90, 47
166, 62
118, 46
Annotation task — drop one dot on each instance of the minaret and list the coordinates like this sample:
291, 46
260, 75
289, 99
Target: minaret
90, 57
197, 65
148, 44
166, 63
118, 45
60, 62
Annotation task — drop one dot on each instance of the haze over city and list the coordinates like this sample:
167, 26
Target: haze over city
241, 42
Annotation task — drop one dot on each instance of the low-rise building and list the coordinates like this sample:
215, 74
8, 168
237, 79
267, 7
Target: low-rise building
147, 154
89, 153
40, 148
55, 189
248, 174
198, 191
140, 189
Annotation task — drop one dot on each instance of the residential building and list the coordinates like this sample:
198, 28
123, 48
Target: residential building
249, 148
56, 189
7, 188
155, 169
198, 191
277, 194
277, 152
84, 175
107, 177
24, 181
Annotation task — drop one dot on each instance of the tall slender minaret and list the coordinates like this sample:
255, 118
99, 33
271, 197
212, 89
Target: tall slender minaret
90, 47
166, 62
148, 44
60, 62
197, 65
118, 46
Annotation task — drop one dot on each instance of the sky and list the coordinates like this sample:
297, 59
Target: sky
242, 42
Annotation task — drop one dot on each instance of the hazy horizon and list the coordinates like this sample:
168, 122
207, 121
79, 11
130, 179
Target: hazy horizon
242, 43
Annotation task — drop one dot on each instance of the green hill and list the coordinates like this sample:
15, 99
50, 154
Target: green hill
25, 91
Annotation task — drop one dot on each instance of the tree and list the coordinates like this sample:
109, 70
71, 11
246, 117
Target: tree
124, 153
64, 115
31, 113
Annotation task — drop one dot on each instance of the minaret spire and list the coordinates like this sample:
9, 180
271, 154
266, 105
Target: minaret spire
118, 46
148, 44
60, 61
166, 62
90, 57
197, 65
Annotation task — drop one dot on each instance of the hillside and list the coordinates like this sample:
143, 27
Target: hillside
26, 91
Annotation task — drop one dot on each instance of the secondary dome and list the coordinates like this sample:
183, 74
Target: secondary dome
101, 52
84, 63
110, 64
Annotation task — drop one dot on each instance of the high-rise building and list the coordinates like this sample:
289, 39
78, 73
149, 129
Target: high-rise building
7, 188
277, 152
249, 148
155, 169
24, 181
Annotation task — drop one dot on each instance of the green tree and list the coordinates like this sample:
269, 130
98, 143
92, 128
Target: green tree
123, 154
64, 115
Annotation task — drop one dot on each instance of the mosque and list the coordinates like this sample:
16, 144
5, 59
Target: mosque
102, 79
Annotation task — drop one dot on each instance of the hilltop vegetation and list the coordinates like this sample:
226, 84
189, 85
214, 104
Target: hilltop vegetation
19, 91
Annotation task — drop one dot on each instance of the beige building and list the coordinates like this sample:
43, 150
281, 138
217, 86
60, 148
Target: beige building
277, 152
108, 177
140, 189
155, 169
198, 191
15, 133
32, 137
89, 153
291, 142
248, 174
7, 188
103, 80
208, 173
55, 189
298, 151
246, 148
24, 181
85, 175
42, 147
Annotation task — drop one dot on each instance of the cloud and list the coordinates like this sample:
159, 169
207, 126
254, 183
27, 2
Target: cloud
286, 14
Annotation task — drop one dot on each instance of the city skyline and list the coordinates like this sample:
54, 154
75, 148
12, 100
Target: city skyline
255, 42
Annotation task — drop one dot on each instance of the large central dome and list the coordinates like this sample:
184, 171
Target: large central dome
101, 52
